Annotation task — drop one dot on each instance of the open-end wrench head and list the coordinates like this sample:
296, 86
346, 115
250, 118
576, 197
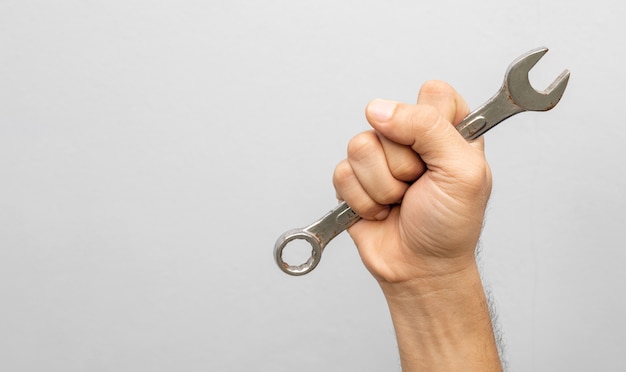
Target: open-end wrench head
523, 94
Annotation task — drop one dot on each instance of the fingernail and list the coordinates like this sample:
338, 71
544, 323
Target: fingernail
381, 110
382, 214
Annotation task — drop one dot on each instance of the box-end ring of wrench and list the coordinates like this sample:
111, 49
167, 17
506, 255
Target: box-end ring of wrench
516, 95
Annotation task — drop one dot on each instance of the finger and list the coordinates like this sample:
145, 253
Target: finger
445, 99
404, 163
369, 164
422, 127
349, 189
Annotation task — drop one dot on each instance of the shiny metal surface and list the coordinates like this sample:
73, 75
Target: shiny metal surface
516, 95
318, 234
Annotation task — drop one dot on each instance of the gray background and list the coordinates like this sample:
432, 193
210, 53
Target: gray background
151, 152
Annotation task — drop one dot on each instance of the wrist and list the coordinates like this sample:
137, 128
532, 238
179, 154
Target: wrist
443, 322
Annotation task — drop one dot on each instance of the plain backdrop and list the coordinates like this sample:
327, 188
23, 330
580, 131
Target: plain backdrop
151, 152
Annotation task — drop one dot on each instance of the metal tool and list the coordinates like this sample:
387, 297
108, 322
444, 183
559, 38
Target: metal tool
516, 95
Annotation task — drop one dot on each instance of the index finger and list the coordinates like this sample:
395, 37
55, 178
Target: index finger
445, 99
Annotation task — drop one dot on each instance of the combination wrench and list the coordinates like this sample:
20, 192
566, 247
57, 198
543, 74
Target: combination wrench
516, 95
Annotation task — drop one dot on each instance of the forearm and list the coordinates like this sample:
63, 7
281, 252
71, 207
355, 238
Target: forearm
443, 323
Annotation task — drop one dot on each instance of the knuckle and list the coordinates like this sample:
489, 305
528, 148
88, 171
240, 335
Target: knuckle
361, 145
438, 88
343, 171
427, 122
426, 113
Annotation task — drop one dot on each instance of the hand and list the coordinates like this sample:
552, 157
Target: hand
420, 187
422, 191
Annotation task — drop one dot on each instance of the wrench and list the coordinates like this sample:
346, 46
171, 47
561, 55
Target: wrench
516, 95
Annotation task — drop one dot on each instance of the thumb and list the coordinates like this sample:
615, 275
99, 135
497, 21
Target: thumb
422, 127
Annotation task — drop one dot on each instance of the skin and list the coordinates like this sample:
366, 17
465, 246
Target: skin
422, 191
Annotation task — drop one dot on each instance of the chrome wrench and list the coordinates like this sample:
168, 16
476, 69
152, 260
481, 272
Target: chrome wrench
516, 95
